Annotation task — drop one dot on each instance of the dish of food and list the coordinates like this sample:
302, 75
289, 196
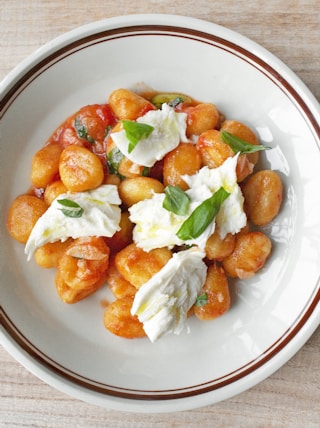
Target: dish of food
153, 197
266, 316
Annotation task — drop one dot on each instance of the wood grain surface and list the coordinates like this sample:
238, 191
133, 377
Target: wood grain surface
289, 29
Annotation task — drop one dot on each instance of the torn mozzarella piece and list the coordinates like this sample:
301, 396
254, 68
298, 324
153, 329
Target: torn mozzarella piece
100, 217
169, 129
162, 303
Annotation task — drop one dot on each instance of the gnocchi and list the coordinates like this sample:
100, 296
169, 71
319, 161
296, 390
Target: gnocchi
134, 190
137, 266
249, 255
128, 105
119, 286
80, 169
201, 118
45, 165
119, 321
48, 255
263, 193
53, 190
218, 248
23, 214
81, 155
184, 160
216, 294
81, 268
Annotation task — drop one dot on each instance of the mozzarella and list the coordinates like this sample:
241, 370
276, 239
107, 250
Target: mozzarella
101, 217
156, 227
169, 129
231, 217
162, 303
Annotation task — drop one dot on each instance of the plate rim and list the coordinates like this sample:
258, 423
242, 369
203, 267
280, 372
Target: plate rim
199, 26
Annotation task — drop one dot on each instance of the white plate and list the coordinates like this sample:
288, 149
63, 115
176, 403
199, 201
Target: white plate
272, 315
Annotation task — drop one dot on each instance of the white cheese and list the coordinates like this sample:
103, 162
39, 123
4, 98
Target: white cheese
231, 217
162, 303
101, 217
156, 227
169, 129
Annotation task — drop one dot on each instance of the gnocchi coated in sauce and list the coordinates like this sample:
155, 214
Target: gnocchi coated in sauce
81, 156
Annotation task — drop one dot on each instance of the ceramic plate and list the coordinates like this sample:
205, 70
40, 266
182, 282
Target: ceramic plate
272, 314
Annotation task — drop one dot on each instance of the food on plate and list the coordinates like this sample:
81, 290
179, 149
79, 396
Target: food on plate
162, 303
81, 268
155, 196
80, 169
263, 196
250, 253
97, 212
23, 214
215, 298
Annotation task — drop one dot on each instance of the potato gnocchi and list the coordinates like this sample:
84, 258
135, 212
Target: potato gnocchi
81, 155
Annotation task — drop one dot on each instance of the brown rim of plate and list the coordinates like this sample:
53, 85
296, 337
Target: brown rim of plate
263, 67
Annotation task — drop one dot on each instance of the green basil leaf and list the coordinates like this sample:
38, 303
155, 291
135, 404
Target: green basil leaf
175, 102
201, 300
239, 145
71, 208
82, 131
176, 200
68, 203
113, 160
74, 213
145, 171
135, 132
202, 216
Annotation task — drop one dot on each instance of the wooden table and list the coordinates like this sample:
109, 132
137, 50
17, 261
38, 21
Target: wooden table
289, 29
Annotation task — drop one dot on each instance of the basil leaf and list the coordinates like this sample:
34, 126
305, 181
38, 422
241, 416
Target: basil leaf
175, 102
82, 131
113, 160
145, 171
74, 213
201, 300
135, 132
176, 200
239, 145
68, 203
202, 216
71, 208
